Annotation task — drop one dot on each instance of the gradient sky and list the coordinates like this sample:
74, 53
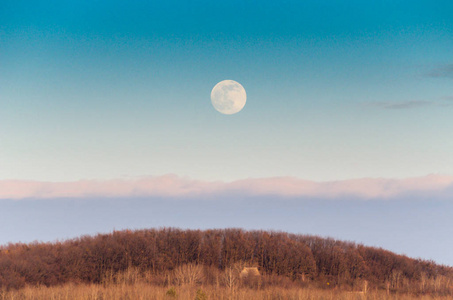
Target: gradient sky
336, 90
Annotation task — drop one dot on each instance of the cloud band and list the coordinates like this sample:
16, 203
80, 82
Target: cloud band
174, 186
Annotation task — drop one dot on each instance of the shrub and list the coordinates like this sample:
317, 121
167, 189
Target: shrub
201, 295
171, 292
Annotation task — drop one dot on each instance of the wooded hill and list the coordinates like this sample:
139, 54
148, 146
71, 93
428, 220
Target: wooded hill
301, 259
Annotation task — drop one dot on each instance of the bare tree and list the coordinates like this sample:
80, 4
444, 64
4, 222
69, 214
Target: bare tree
230, 277
188, 274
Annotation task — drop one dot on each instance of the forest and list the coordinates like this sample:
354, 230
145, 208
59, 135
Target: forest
171, 256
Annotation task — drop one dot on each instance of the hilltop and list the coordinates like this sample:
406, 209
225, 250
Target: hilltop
170, 256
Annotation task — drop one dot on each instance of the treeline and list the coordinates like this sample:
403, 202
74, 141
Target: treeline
303, 259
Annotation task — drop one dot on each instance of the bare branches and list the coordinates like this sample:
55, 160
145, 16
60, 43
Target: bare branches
190, 274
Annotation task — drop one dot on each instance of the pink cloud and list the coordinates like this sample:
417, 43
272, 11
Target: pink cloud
174, 186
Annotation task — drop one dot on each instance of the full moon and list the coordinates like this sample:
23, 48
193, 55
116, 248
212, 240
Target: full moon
228, 97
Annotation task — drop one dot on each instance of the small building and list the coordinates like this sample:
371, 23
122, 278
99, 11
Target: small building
249, 272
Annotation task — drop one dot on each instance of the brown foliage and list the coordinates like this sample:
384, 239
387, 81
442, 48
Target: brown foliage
210, 257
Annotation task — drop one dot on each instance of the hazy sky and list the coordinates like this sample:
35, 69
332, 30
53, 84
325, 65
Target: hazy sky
115, 89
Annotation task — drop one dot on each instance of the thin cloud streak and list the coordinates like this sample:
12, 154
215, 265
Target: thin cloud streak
443, 102
402, 105
173, 186
445, 71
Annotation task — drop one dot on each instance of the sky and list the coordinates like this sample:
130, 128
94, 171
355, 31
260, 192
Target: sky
336, 89
337, 92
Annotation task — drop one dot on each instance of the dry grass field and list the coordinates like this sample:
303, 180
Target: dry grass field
142, 291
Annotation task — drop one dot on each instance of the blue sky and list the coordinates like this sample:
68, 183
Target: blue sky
336, 90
